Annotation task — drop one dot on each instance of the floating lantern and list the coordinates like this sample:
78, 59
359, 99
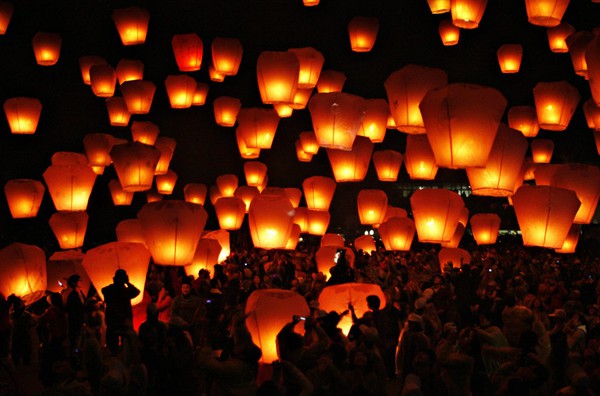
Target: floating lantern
24, 197
485, 227
592, 58
97, 147
326, 258
419, 159
245, 152
283, 110
301, 218
374, 122
584, 179
529, 168
187, 49
181, 90
46, 48
456, 237
258, 126
69, 228
366, 243
222, 236
230, 212
135, 164
466, 14
387, 164
144, 132
464, 216
165, 183
351, 166
214, 194
132, 24
200, 95
166, 146
439, 6
557, 37
453, 258
541, 150
294, 238
22, 114
129, 70
436, 213
103, 80
68, 158
302, 155
195, 193
277, 76
226, 110
138, 95
331, 81
317, 222
214, 75
206, 256
6, 12
70, 186
509, 58
23, 271
397, 233
295, 195
555, 103
524, 119
311, 63
86, 62
577, 44
449, 33
130, 230
546, 13
571, 240
118, 115
255, 173
301, 99
246, 194
543, 174
592, 114
309, 142
363, 33
270, 218
372, 205
227, 184
336, 240
119, 196
318, 192
226, 55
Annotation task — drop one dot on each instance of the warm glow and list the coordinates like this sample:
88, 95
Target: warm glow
200, 94
485, 228
584, 179
230, 212
387, 164
130, 230
246, 194
226, 110
135, 164
372, 206
226, 55
22, 114
541, 150
524, 119
187, 49
195, 193
351, 166
592, 114
86, 62
245, 152
277, 76
454, 257
206, 256
317, 222
144, 132
166, 146
555, 103
181, 90
69, 228
302, 155
439, 6
366, 243
311, 62
24, 197
222, 236
97, 148
132, 24
257, 127
570, 243
467, 14
6, 12
283, 110
318, 192
46, 47
129, 70
119, 196
331, 81
270, 218
419, 159
374, 123
118, 115
363, 33
165, 183
227, 185
557, 37
23, 271
577, 44
509, 58
103, 80
70, 186
436, 213
449, 33
546, 13
309, 142
138, 95
295, 195
397, 233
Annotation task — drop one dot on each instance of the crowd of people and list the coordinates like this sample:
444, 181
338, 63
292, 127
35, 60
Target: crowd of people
514, 321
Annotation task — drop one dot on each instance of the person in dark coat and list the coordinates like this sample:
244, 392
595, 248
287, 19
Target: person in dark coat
75, 307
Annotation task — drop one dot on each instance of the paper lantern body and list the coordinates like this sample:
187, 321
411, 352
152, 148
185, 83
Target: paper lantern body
129, 70
336, 118
118, 115
246, 194
546, 13
166, 146
570, 243
214, 194
187, 49
332, 240
509, 58
456, 237
584, 179
138, 95
70, 186
130, 230
132, 24
200, 95
227, 184
372, 206
135, 164
557, 36
439, 6
226, 110
222, 236
86, 62
485, 228
351, 166
302, 155
592, 58
555, 103
46, 48
24, 197
277, 76
301, 218
69, 228
374, 122
294, 195
103, 80
331, 81
524, 119
230, 212
68, 158
214, 75
23, 271
311, 63
294, 238
255, 173
257, 127
449, 33
6, 12
317, 222
144, 132
326, 258
541, 150
195, 193
397, 233
366, 243
119, 196
22, 114
577, 44
270, 218
166, 183
466, 14
97, 148
419, 159
454, 256
206, 256
436, 213
543, 173
363, 33
309, 142
592, 114
387, 164
226, 55
393, 211
181, 90
318, 192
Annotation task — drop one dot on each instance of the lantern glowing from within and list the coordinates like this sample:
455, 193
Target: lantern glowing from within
172, 230
227, 184
255, 173
86, 62
214, 75
557, 37
119, 196
24, 197
22, 114
371, 205
545, 214
222, 236
577, 44
584, 179
325, 258
545, 12
592, 57
406, 88
187, 49
351, 166
317, 222
366, 243
214, 194
485, 227
97, 148
301, 218
138, 95
309, 142
302, 155
270, 219
419, 159
311, 63
181, 90
464, 216
529, 169
257, 127
436, 213
283, 110
103, 80
195, 193
397, 233
336, 298
226, 55
23, 271
68, 158
332, 240
541, 150
393, 211
130, 230
294, 238
374, 123
294, 195
597, 140
461, 122
6, 12
543, 174
69, 228
246, 194
466, 14
129, 70
336, 118
363, 33
456, 237
387, 164
70, 186
200, 94
439, 6
592, 114
135, 164
165, 183
318, 192
230, 212
555, 103
455, 257
118, 115
61, 265
503, 168
144, 132
570, 243
277, 76
46, 48
226, 110
206, 256
524, 119
300, 99
449, 33
509, 58
132, 24
331, 81
267, 312
166, 146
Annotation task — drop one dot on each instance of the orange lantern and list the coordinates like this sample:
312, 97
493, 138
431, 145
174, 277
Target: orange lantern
524, 119
70, 186
68, 158
267, 312
541, 150
255, 173
366, 243
46, 47
351, 166
61, 265
214, 75
119, 196
144, 132
461, 122
6, 12
69, 228
295, 195
301, 218
22, 114
439, 6
283, 110
246, 194
195, 193
181, 90
301, 99
311, 3
577, 44
277, 75
118, 115
172, 230
555, 103
206, 256
245, 152
138, 95
309, 143
103, 80
500, 175
317, 222
331, 81
318, 192
543, 174
24, 197
592, 114
302, 155
592, 58
571, 240
557, 37
270, 219
363, 33
257, 127
597, 140
419, 159
372, 205
436, 213
584, 179
130, 230
405, 90
545, 12
332, 240
153, 196
397, 233
456, 237
132, 24
135, 164
464, 216
528, 169
453, 258
230, 212
187, 49
466, 14
97, 148
294, 238
166, 146
86, 62
393, 211
226, 55
226, 110
129, 70
23, 271
227, 184
449, 33
509, 58
485, 228
214, 194
311, 63
374, 122
200, 95
387, 164
165, 183
545, 214
222, 236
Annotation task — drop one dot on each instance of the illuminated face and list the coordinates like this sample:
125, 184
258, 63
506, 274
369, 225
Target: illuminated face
186, 289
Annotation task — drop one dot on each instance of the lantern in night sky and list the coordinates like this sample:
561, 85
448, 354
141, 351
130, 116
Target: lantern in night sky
453, 256
118, 115
270, 219
222, 236
466, 14
555, 103
277, 76
363, 33
187, 49
46, 48
245, 151
541, 150
132, 24
24, 197
372, 205
227, 184
165, 183
524, 119
577, 44
130, 230
226, 55
318, 192
22, 114
6, 12
397, 233
23, 271
200, 94
419, 159
144, 132
69, 228
206, 256
436, 213
509, 58
103, 80
119, 196
302, 155
331, 81
570, 243
166, 146
246, 194
226, 110
456, 237
86, 62
195, 193
138, 95
309, 142
374, 121
336, 118
181, 90
351, 166
70, 186
584, 179
255, 173
366, 243
294, 194
230, 212
439, 6
485, 228
546, 13
317, 222
592, 114
311, 62
129, 70
97, 148
449, 33
557, 37
387, 164
332, 240
257, 126
301, 218
135, 164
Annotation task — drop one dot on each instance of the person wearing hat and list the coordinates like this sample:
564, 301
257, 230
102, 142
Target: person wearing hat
75, 307
188, 308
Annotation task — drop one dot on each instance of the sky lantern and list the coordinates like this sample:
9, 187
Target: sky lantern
70, 186
283, 110
226, 110
372, 205
466, 14
195, 193
118, 115
528, 169
584, 179
592, 58
97, 148
317, 222
245, 151
301, 99
331, 239
311, 63
294, 238
24, 197
222, 236
351, 166
226, 55
557, 37
60, 266
311, 3
119, 196
129, 70
255, 173
270, 219
214, 75
166, 146
500, 174
436, 213
555, 103
543, 173
336, 118
86, 62
302, 155
439, 6
449, 33
464, 216
132, 24
541, 150
387, 164
258, 126
461, 122
68, 158
181, 90
524, 119
230, 212
374, 122
456, 237
336, 298
172, 230
363, 33
69, 228
570, 243
419, 159
509, 58
214, 194
130, 230
138, 95
545, 214
23, 271
277, 76
294, 194
246, 194
301, 218
592, 114
393, 211
485, 228
103, 80
406, 88
22, 114
206, 256
135, 164
309, 142
6, 12
453, 256
46, 48
318, 192
165, 183
577, 44
397, 233
366, 243
546, 13
144, 132
188, 49
227, 184
325, 258
200, 94
331, 81
267, 312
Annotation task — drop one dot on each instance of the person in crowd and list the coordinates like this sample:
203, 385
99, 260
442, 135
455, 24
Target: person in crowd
54, 321
24, 340
188, 308
4, 327
75, 306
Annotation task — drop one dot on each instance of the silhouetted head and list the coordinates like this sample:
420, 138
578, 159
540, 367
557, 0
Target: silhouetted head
121, 276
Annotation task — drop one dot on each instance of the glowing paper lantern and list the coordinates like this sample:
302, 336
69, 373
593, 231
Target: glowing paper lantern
592, 114
543, 173
103, 80
172, 230
351, 166
529, 168
336, 240
456, 237
24, 197
301, 218
129, 70
363, 33
524, 119
153, 196
419, 159
22, 114
449, 33
318, 192
301, 99
144, 132
571, 240
23, 271
222, 236
294, 195
70, 186
187, 49
294, 238
227, 184
317, 222
226, 55
181, 90
270, 219
545, 12
214, 75
577, 44
119, 196
230, 212
283, 110
166, 146
61, 265
557, 36
309, 142
267, 312
135, 164
68, 158
436, 213
592, 58
195, 193
541, 150
466, 14
200, 95
245, 152
374, 122
118, 115
255, 173
454, 257
545, 214
485, 228
214, 194
97, 148
331, 81
326, 258
372, 206
46, 48
165, 183
130, 230
397, 233
206, 256
226, 110
439, 6
366, 243
311, 63
509, 58
584, 179
302, 155
138, 95
387, 164
69, 228
277, 76
132, 24
257, 127
405, 90
597, 140
86, 62
555, 103
6, 12
246, 194
464, 216
461, 122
